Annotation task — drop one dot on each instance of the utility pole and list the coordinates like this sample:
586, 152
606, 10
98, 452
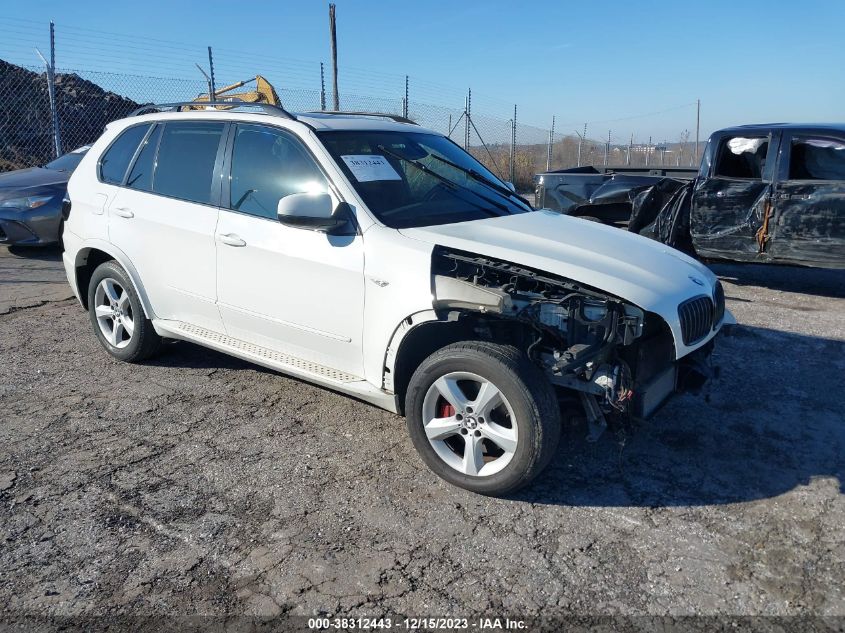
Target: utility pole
449, 129
405, 102
322, 88
607, 149
648, 151
630, 145
697, 126
213, 95
333, 37
513, 144
551, 142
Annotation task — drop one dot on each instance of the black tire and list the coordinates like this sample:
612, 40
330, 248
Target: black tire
144, 342
529, 394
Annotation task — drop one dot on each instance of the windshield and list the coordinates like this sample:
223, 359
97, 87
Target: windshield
67, 162
405, 182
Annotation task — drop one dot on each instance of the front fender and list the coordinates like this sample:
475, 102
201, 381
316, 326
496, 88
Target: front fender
399, 333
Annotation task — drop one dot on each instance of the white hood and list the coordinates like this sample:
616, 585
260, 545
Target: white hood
644, 272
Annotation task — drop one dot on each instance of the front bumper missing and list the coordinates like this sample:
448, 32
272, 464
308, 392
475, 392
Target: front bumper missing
686, 375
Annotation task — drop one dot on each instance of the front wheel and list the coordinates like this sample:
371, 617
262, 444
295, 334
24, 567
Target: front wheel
483, 417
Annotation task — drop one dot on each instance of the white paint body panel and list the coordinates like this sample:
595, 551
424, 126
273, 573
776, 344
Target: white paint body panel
398, 285
293, 290
171, 243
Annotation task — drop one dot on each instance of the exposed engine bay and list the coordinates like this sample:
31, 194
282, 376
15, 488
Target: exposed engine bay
618, 358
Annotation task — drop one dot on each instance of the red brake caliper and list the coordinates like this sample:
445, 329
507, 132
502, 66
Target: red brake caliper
445, 410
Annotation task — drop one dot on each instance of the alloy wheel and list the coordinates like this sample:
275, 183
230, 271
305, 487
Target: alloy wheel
470, 424
113, 310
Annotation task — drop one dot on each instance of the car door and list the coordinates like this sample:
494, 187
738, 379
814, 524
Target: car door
730, 203
164, 218
290, 289
809, 200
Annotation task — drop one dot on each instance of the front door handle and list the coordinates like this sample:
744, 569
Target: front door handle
124, 212
230, 239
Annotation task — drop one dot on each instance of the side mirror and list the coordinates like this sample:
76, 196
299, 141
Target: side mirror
311, 211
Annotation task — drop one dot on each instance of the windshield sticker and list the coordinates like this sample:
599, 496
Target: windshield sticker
369, 167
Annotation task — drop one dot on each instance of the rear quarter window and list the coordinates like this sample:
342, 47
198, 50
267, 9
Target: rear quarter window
115, 160
141, 176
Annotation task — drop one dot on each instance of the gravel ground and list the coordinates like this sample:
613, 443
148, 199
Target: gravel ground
199, 484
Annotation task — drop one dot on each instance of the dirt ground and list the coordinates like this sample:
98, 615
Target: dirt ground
199, 484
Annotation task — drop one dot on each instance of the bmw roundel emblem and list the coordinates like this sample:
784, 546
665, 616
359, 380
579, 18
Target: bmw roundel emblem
696, 280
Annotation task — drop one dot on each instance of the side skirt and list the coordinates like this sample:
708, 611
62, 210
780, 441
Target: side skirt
342, 382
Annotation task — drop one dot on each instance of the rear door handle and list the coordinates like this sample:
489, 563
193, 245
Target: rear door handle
124, 212
230, 239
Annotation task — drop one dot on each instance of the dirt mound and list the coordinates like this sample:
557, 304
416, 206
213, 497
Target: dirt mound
26, 132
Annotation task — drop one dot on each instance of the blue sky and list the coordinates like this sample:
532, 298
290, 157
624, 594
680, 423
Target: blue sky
632, 67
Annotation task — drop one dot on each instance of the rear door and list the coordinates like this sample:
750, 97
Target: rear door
164, 218
730, 203
809, 201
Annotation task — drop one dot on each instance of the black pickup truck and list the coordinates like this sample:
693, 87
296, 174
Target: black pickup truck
763, 193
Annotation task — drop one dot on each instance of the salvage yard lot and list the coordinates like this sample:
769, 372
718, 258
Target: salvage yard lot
200, 484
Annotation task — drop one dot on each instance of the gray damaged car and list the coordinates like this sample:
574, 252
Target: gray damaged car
770, 193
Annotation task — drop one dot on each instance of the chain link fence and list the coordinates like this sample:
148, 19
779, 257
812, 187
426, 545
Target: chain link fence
86, 101
26, 127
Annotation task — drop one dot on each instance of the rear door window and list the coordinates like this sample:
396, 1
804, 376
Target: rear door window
185, 162
742, 157
816, 159
115, 161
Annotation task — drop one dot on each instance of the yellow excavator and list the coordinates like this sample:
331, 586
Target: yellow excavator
263, 93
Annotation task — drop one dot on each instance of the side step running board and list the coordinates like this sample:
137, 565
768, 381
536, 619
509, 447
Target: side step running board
276, 358
338, 380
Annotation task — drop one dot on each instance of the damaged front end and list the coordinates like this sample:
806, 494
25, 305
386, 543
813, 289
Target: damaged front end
617, 358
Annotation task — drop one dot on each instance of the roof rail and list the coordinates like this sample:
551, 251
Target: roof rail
265, 108
396, 117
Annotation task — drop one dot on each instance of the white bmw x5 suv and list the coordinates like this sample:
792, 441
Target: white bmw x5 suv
379, 259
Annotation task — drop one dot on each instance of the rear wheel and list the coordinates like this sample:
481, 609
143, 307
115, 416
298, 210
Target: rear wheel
118, 317
483, 417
